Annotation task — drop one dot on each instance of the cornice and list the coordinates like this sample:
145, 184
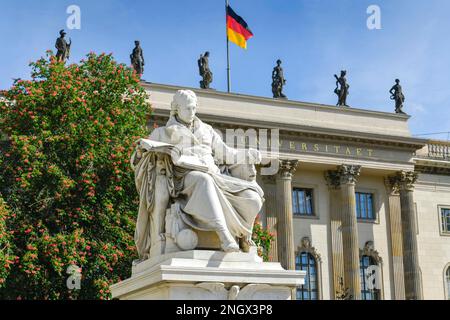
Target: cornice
411, 144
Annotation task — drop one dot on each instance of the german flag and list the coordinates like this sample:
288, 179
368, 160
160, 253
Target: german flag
238, 31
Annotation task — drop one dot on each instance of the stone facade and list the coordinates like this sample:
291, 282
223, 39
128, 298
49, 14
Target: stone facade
338, 152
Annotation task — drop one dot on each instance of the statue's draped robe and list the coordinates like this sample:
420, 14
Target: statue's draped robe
209, 201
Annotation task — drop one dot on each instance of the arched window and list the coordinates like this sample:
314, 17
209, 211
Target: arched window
306, 262
447, 282
368, 292
309, 260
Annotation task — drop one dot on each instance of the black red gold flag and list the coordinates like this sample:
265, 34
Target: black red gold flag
238, 31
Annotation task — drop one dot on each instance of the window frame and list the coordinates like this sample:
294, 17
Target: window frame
375, 204
374, 210
315, 214
440, 220
446, 277
317, 290
372, 261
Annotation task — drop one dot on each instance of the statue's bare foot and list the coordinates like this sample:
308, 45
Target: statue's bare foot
228, 242
231, 247
246, 243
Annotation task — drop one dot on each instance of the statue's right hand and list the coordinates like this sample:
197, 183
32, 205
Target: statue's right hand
139, 151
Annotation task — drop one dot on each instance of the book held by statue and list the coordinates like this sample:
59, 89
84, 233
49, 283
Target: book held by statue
178, 158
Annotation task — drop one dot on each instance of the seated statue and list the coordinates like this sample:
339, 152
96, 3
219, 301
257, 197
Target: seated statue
211, 190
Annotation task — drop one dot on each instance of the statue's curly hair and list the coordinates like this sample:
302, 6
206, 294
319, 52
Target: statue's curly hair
177, 100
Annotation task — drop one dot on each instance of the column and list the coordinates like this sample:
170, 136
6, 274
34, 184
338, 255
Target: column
413, 288
395, 223
285, 227
347, 178
270, 194
333, 182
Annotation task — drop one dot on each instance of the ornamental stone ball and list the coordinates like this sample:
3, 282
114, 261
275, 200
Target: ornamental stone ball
187, 239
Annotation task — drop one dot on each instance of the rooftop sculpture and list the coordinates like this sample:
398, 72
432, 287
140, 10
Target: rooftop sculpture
205, 72
397, 95
342, 89
63, 53
137, 58
278, 81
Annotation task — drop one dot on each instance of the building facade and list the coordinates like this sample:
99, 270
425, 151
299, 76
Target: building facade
357, 202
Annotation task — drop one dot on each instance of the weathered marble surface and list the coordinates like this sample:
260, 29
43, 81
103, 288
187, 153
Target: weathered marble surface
208, 275
180, 198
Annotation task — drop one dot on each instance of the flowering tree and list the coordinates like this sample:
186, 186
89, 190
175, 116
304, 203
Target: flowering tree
66, 178
6, 254
263, 239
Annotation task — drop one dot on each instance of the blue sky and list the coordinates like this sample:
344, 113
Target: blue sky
313, 38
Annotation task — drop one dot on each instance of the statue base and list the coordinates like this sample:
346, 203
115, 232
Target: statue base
208, 275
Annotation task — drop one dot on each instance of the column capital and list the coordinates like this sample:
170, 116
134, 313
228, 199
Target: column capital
404, 180
348, 173
287, 168
345, 174
332, 178
392, 185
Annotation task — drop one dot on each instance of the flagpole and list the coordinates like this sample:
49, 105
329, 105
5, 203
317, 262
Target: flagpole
228, 47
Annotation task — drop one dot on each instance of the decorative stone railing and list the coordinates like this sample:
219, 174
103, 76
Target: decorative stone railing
439, 150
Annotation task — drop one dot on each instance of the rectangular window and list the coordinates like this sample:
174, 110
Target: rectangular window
445, 220
302, 202
364, 206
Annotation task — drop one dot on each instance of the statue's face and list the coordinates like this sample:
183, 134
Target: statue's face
187, 110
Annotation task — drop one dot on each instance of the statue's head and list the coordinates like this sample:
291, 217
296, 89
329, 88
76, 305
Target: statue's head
343, 73
278, 62
207, 54
137, 43
184, 105
397, 81
62, 33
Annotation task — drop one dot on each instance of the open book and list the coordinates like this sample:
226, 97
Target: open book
178, 159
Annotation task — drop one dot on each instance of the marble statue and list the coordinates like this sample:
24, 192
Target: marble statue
342, 92
278, 81
137, 58
63, 53
205, 72
397, 95
189, 180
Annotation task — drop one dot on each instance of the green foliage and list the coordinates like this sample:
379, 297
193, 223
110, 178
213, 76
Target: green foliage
6, 256
263, 239
65, 175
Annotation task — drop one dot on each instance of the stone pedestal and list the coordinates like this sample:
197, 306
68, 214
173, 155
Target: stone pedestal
208, 275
